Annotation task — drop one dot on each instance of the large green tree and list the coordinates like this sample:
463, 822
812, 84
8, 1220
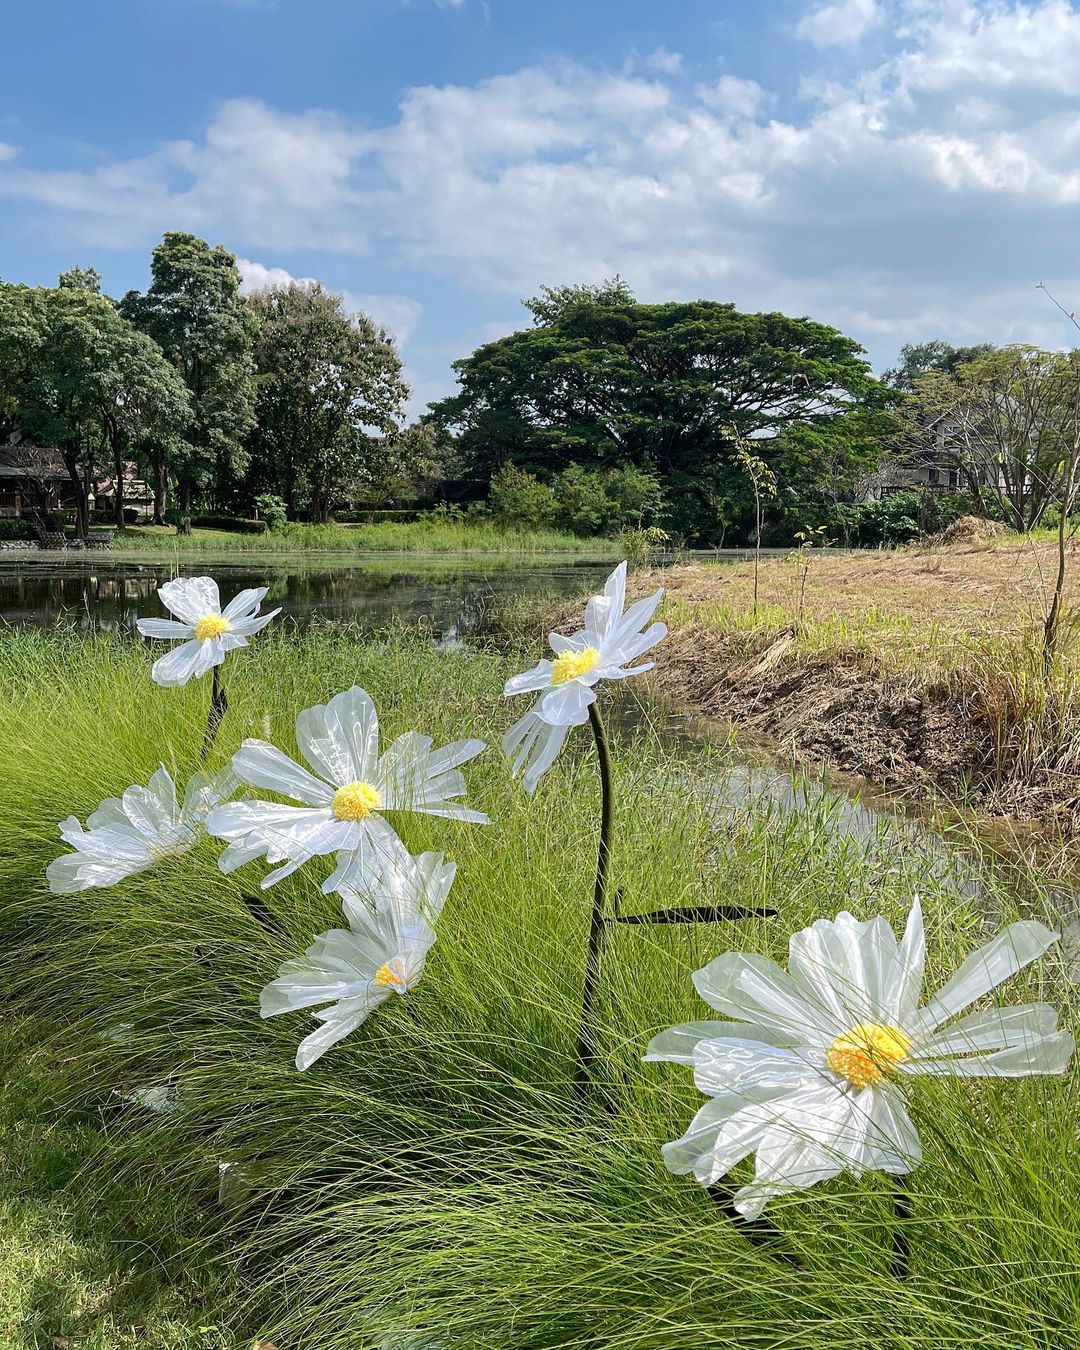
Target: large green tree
194, 312
600, 379
84, 380
327, 380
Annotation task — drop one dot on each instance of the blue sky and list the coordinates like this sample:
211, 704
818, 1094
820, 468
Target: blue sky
904, 169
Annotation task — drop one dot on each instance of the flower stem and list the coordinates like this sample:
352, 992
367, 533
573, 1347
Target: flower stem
588, 1032
218, 707
900, 1261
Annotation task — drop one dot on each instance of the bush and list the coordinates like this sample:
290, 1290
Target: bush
15, 529
234, 524
902, 517
377, 515
270, 507
607, 502
519, 498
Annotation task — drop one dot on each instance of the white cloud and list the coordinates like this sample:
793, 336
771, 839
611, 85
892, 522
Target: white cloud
7, 151
839, 23
400, 314
922, 194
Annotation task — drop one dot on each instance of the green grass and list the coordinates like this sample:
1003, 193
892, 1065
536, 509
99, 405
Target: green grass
422, 1185
86, 1261
413, 537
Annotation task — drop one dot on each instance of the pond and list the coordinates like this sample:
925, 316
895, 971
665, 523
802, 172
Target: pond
449, 598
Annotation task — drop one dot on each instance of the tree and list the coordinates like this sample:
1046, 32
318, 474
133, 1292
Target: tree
602, 380
195, 313
924, 358
1004, 421
85, 381
81, 279
326, 379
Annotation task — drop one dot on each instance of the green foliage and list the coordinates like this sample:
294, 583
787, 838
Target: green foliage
194, 312
81, 279
518, 499
326, 380
271, 508
606, 502
600, 378
16, 529
921, 358
425, 1180
901, 517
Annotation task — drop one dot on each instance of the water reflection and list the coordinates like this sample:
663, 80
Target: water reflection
450, 600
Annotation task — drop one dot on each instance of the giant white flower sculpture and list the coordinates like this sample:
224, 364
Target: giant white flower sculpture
603, 650
809, 1073
343, 809
128, 834
209, 632
380, 954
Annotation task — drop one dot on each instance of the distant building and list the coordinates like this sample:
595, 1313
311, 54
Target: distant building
33, 479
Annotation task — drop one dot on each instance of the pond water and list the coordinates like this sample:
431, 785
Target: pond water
449, 598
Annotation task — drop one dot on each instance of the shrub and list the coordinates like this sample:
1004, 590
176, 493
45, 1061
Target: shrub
519, 498
234, 524
593, 501
271, 508
16, 529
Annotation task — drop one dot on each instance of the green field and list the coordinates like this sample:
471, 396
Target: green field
426, 1184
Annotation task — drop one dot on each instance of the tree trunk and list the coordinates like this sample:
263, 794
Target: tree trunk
82, 493
161, 491
185, 509
118, 484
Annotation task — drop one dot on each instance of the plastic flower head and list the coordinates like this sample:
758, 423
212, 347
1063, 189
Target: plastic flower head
382, 952
343, 809
128, 834
603, 650
209, 632
810, 1070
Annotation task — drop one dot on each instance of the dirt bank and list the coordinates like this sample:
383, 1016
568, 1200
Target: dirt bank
917, 670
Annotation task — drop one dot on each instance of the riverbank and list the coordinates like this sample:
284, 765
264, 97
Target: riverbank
919, 669
430, 536
427, 1180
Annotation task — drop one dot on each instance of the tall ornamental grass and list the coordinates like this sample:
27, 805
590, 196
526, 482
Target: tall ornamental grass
429, 1183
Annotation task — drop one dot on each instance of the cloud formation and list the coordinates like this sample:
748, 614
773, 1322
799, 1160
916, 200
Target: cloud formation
918, 193
399, 314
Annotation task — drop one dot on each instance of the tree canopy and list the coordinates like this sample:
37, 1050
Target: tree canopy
602, 380
326, 380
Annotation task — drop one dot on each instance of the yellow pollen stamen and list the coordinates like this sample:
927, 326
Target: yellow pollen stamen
356, 800
389, 978
570, 665
210, 626
865, 1054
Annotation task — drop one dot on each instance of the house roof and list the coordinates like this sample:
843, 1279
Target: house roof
26, 460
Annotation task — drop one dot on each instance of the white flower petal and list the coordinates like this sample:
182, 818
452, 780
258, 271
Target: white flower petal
191, 598
533, 745
341, 738
338, 1022
260, 764
244, 604
255, 624
567, 705
529, 681
1042, 1055
1010, 951
177, 666
677, 1044
754, 989
990, 1029
846, 968
164, 628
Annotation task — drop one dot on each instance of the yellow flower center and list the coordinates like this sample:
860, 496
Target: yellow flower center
571, 665
211, 625
865, 1054
354, 801
389, 978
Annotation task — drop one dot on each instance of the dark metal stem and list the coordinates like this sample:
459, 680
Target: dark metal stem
588, 1032
219, 705
900, 1261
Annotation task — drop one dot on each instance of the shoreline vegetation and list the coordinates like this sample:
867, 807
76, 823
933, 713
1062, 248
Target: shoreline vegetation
413, 537
459, 1203
919, 669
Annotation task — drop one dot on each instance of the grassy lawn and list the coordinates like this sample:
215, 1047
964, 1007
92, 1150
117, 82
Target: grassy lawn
426, 1184
91, 1259
413, 537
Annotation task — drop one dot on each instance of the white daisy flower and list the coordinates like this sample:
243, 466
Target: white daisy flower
603, 650
128, 834
343, 809
809, 1073
210, 632
380, 954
